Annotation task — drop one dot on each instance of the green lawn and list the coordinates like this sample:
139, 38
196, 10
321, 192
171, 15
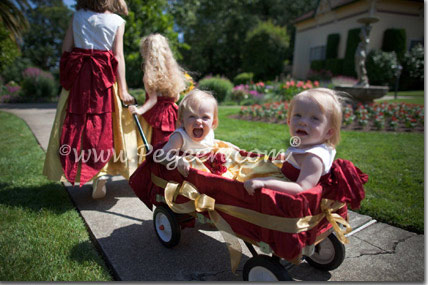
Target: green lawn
414, 97
42, 236
393, 161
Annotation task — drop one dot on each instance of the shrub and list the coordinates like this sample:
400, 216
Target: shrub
265, 50
219, 86
9, 93
37, 85
351, 46
243, 78
321, 75
332, 46
412, 76
380, 67
395, 40
334, 65
318, 65
139, 94
238, 95
15, 71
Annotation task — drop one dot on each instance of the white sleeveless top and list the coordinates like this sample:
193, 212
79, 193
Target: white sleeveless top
325, 152
191, 146
92, 30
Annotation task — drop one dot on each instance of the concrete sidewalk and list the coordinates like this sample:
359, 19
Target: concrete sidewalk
122, 227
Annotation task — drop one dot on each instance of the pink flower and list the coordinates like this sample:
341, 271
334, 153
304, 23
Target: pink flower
316, 83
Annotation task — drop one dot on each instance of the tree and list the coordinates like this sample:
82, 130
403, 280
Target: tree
12, 17
42, 44
145, 17
8, 49
216, 31
265, 50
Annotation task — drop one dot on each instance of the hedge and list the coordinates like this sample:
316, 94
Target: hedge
332, 46
351, 46
395, 40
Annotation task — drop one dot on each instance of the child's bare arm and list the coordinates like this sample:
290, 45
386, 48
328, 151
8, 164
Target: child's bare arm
310, 174
121, 77
170, 158
150, 102
68, 43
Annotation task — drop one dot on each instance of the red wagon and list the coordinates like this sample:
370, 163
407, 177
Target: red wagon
309, 225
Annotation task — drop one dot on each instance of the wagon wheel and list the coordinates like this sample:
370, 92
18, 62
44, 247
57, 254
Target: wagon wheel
264, 268
166, 226
329, 254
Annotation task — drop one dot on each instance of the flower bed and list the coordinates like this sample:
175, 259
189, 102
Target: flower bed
371, 117
271, 91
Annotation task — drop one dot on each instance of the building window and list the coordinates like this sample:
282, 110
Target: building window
317, 53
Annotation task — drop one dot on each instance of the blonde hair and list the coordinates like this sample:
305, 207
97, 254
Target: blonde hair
100, 6
192, 101
329, 104
162, 74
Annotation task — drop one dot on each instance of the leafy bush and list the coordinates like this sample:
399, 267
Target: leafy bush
334, 65
243, 78
380, 67
395, 40
219, 86
14, 71
139, 94
317, 65
332, 48
265, 50
412, 77
9, 50
38, 85
9, 93
351, 46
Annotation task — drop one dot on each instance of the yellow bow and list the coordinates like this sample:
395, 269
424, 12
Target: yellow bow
201, 203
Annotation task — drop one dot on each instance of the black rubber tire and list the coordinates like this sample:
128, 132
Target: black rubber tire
266, 267
334, 248
164, 220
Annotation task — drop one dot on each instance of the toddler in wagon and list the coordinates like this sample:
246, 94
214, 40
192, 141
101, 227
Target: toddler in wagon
314, 119
197, 119
194, 137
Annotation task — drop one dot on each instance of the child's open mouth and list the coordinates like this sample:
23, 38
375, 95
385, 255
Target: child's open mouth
198, 132
301, 132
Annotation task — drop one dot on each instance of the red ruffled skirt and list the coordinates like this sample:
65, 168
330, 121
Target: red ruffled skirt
162, 117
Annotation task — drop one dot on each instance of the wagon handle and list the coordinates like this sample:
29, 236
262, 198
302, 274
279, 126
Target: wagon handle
140, 129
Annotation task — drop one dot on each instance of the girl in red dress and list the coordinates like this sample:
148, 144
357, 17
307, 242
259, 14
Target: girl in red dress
163, 81
314, 119
89, 127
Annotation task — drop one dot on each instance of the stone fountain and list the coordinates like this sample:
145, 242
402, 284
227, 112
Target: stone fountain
362, 91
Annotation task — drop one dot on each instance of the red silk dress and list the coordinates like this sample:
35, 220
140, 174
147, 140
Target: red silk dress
89, 75
162, 117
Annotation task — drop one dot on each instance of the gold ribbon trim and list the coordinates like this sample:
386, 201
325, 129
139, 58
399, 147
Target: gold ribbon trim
201, 202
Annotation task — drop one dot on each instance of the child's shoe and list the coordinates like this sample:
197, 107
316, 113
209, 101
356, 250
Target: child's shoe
99, 187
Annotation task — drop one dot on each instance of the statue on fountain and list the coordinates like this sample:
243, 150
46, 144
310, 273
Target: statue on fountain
361, 55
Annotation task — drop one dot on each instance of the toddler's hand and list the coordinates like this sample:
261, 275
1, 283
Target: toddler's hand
253, 184
183, 166
134, 110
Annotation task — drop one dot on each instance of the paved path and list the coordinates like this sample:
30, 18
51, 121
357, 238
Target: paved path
122, 227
